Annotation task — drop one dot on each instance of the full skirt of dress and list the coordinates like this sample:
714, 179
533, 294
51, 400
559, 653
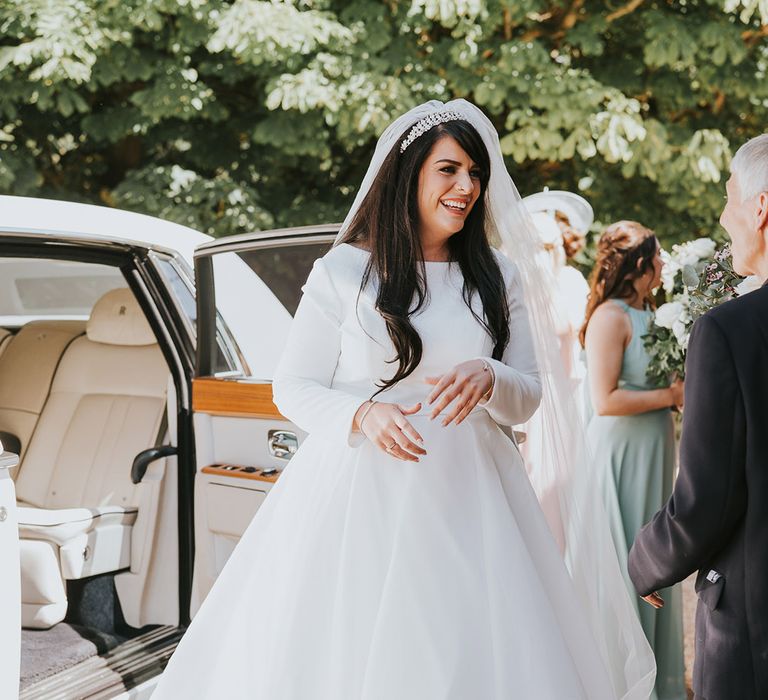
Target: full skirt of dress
363, 577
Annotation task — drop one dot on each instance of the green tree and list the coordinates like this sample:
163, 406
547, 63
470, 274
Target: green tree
233, 116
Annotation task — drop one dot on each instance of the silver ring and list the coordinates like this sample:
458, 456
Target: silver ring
389, 447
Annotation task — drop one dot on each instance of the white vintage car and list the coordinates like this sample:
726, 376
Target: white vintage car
141, 414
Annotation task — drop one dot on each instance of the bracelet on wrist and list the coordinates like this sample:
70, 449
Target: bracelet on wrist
364, 414
487, 368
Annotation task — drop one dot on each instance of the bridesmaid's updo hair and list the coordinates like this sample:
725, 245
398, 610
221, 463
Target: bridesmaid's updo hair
387, 224
625, 252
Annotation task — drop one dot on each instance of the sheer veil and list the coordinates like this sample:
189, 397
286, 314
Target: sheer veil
564, 475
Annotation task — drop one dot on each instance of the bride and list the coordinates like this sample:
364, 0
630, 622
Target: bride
402, 554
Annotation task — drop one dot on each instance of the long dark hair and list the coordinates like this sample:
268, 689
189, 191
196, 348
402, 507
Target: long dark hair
387, 224
625, 251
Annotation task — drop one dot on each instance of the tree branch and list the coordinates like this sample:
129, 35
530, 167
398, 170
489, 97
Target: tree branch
719, 102
753, 36
531, 34
631, 6
507, 24
572, 16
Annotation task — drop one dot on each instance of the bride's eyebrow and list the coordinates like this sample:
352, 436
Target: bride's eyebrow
452, 162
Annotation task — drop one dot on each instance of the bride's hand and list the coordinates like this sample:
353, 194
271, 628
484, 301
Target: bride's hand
467, 382
385, 425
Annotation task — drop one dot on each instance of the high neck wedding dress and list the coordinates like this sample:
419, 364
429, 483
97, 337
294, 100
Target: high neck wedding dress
364, 577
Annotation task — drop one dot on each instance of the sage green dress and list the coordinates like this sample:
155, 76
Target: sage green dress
635, 460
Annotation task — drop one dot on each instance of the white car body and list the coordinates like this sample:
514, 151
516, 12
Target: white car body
226, 441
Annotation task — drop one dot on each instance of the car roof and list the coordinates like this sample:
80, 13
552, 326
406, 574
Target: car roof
47, 217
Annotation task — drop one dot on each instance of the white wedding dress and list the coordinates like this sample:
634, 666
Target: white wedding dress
364, 577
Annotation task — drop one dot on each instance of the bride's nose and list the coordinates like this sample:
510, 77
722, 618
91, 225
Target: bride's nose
464, 183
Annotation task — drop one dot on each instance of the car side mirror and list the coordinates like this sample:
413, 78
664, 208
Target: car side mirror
142, 460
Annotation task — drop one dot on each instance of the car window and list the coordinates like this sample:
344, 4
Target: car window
182, 290
32, 289
257, 293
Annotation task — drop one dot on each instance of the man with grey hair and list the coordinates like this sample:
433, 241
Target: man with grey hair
716, 521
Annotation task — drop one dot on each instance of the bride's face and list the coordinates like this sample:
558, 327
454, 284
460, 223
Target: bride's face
449, 185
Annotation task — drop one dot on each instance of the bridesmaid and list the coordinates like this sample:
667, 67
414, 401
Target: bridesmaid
630, 428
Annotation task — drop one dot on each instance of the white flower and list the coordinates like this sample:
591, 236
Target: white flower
703, 247
668, 314
180, 180
750, 284
693, 251
668, 272
680, 330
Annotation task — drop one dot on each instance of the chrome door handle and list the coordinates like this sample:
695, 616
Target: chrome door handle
282, 443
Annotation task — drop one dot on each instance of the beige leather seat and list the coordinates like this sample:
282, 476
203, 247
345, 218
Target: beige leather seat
27, 365
5, 336
77, 501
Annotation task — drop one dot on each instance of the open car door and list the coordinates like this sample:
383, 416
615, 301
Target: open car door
248, 288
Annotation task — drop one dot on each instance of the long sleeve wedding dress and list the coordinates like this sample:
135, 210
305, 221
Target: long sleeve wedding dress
363, 577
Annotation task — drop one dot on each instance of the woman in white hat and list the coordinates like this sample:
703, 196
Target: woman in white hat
562, 220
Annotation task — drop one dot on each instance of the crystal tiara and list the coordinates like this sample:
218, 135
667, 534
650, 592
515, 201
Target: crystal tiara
425, 124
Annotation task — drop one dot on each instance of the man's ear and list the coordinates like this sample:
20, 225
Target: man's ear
762, 211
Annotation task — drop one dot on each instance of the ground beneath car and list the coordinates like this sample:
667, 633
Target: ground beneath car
45, 652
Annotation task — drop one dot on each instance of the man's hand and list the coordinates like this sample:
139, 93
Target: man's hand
654, 599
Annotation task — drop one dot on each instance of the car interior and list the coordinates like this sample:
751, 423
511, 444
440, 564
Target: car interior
85, 388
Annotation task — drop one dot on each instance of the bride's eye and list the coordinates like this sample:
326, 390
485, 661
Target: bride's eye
448, 169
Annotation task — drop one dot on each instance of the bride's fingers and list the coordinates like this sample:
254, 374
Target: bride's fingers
394, 442
409, 445
409, 431
462, 409
400, 453
445, 399
409, 411
444, 382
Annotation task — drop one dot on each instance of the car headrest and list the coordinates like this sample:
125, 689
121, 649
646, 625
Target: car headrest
117, 319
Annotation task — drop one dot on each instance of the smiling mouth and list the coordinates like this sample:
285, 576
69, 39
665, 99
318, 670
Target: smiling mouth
454, 206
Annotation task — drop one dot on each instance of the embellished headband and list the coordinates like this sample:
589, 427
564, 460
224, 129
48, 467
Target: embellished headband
425, 124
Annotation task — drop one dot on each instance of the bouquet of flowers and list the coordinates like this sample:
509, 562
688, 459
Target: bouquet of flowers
696, 278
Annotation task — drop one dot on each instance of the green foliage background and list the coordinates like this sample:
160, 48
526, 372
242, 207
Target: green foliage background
234, 116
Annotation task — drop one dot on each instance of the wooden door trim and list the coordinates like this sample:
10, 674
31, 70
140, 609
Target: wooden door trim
239, 473
228, 396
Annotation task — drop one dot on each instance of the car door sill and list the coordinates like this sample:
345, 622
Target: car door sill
107, 676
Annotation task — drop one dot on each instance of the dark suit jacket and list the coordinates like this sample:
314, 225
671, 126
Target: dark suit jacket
716, 520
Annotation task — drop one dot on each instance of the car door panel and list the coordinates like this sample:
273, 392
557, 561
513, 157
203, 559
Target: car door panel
242, 442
